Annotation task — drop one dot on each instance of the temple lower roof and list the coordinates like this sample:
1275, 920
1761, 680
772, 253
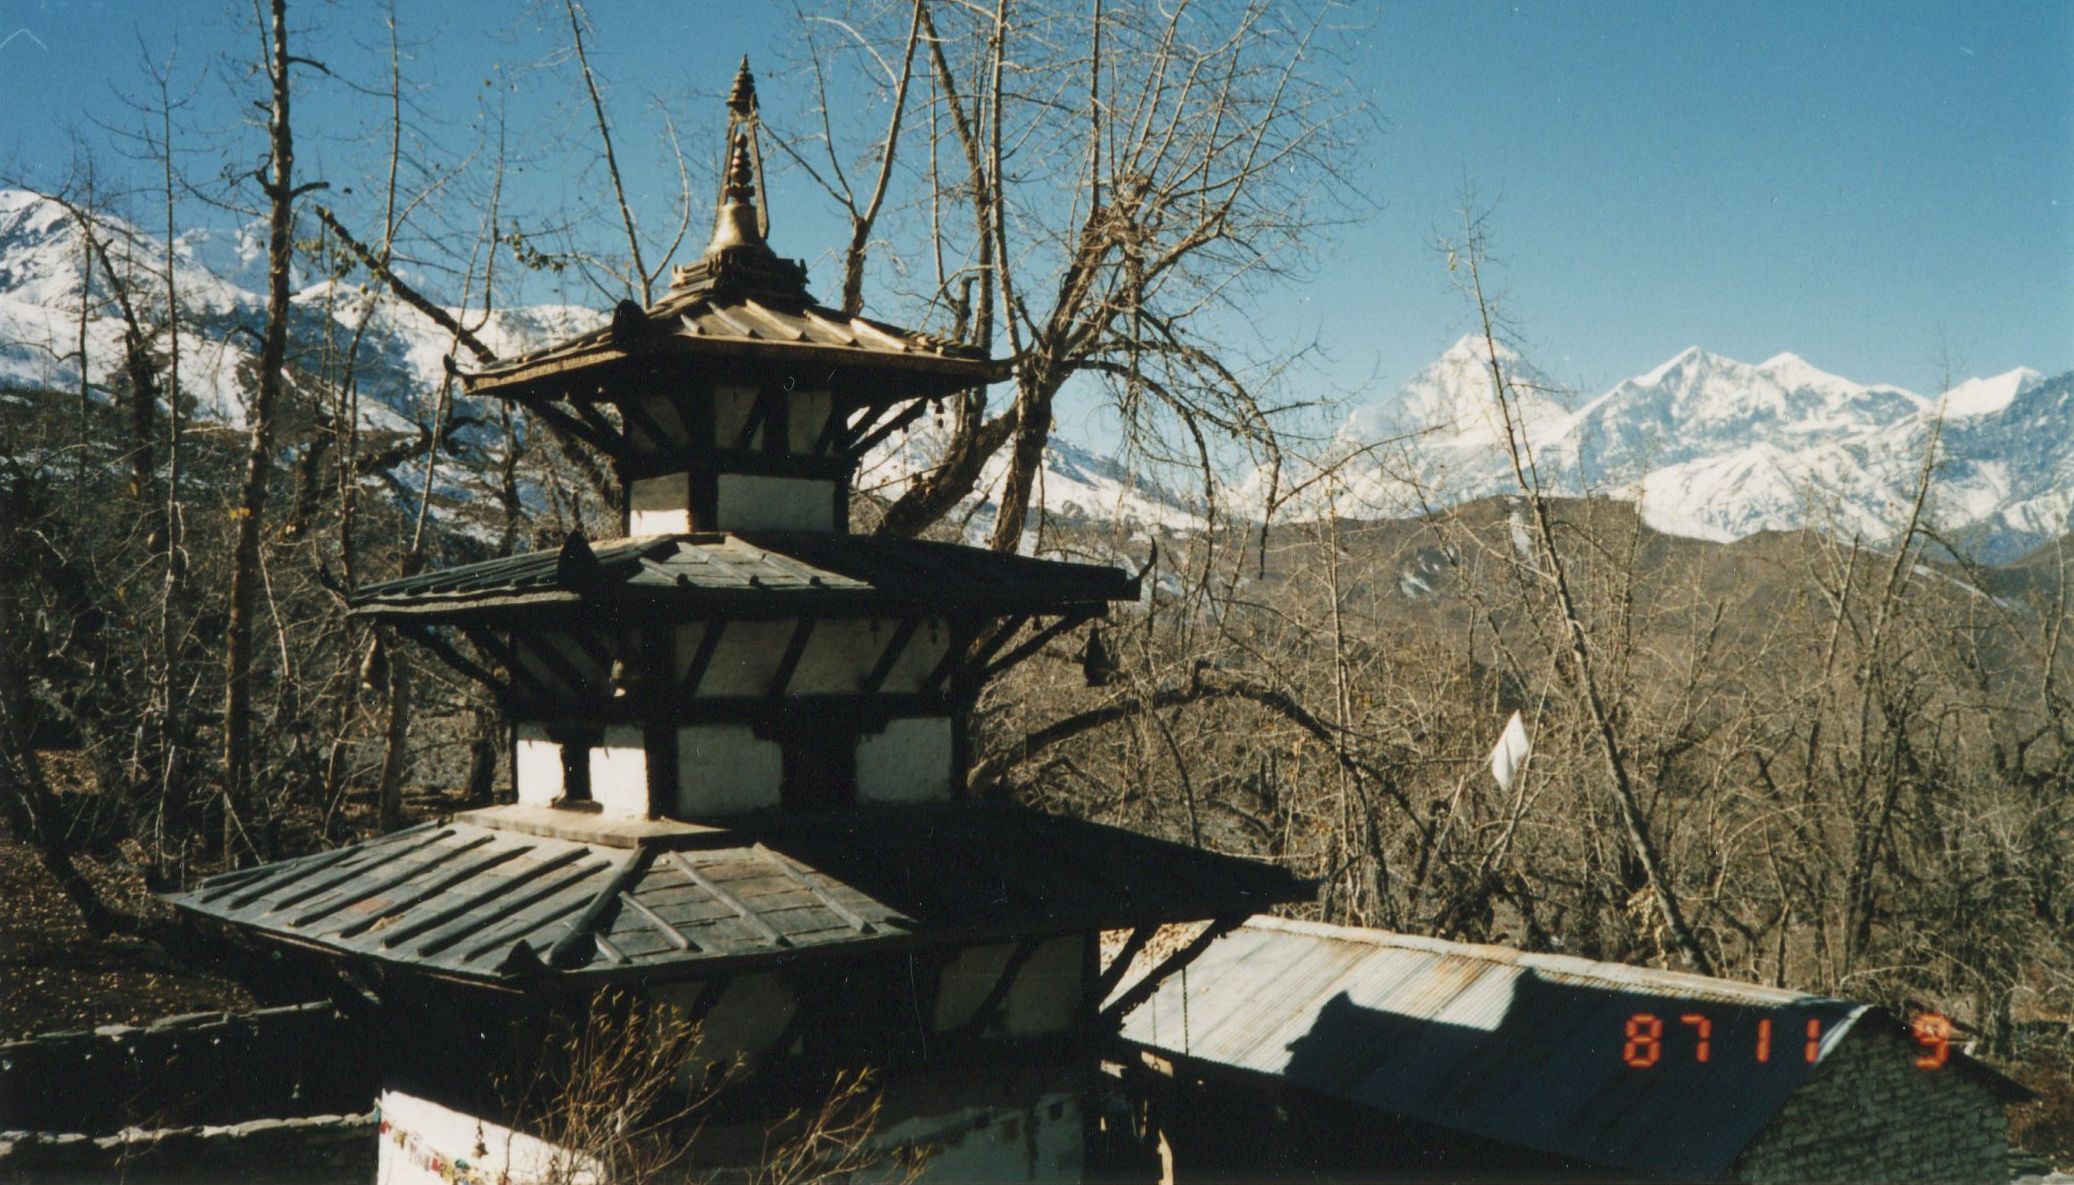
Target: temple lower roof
770, 573
519, 895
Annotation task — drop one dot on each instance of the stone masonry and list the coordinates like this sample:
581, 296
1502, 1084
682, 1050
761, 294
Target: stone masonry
1868, 1113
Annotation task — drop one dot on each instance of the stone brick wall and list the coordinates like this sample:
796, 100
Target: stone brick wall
185, 1071
1867, 1113
309, 1150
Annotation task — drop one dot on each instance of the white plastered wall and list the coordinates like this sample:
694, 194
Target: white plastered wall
419, 1133
731, 407
807, 413
908, 761
745, 1022
537, 766
752, 502
745, 661
1042, 999
723, 769
1042, 1141
619, 773
659, 505
839, 654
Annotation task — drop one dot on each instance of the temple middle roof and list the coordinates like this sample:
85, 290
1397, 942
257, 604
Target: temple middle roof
777, 572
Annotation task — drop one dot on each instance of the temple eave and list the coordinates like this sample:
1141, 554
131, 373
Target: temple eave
460, 899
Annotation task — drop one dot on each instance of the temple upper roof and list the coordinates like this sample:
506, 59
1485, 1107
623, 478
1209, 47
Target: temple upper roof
741, 300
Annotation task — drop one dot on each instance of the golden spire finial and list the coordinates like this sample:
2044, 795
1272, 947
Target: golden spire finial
741, 219
741, 98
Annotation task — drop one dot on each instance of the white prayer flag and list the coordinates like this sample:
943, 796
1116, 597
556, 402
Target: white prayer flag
1511, 752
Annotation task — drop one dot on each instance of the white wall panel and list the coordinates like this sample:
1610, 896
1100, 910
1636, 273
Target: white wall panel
909, 761
723, 769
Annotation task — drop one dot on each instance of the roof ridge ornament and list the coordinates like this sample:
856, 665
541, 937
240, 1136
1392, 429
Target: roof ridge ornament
739, 256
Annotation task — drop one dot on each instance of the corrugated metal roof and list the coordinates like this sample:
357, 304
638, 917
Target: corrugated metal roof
779, 572
1522, 1048
728, 322
477, 898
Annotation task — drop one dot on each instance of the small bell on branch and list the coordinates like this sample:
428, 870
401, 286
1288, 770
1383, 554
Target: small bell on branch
374, 667
1095, 663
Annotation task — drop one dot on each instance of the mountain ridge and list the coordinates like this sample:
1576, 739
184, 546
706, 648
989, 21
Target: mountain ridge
1715, 448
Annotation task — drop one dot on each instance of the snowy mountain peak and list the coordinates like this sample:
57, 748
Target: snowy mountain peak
1688, 360
1980, 397
1476, 349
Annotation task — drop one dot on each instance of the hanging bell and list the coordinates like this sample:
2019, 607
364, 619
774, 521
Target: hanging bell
374, 667
623, 677
1095, 663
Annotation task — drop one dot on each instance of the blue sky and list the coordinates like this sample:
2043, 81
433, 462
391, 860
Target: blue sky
1873, 187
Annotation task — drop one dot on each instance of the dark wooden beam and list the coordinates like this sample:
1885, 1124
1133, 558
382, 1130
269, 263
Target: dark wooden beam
1119, 966
1142, 990
907, 416
631, 411
702, 658
748, 461
553, 657
1034, 643
605, 428
1010, 626
976, 1024
789, 662
596, 648
895, 647
489, 643
609, 443
429, 638
569, 950
963, 636
670, 933
841, 431
836, 428
759, 413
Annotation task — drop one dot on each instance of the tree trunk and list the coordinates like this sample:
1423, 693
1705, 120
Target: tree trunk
244, 576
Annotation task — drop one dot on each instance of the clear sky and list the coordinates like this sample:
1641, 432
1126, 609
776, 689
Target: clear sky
1871, 186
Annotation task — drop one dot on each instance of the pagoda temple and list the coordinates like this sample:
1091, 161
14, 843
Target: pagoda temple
738, 745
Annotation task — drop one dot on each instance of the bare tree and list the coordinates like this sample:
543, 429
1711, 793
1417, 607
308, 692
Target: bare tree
277, 182
1096, 185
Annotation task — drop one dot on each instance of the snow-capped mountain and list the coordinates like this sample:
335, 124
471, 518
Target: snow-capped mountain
1719, 449
44, 281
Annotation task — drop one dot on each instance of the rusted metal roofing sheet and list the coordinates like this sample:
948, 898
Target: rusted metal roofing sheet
738, 325
1522, 1048
474, 898
776, 572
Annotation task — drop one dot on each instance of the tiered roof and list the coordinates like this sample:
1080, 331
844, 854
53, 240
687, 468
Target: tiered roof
514, 894
790, 572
